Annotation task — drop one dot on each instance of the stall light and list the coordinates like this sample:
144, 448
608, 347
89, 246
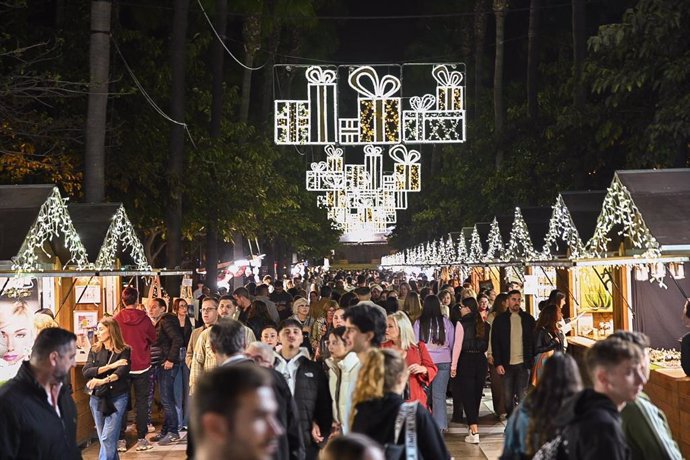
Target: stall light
677, 270
658, 271
620, 261
641, 272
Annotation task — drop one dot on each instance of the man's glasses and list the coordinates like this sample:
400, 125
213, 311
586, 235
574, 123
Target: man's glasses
207, 310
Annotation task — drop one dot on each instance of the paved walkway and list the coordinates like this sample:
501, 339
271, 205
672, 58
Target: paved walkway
490, 435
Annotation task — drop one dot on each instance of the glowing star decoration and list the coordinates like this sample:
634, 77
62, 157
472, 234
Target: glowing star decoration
561, 226
520, 244
476, 251
619, 209
53, 221
495, 243
122, 232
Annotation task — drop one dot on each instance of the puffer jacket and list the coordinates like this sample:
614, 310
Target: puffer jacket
342, 377
169, 338
309, 386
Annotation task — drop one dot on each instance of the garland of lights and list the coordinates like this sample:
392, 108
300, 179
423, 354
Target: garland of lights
462, 249
619, 208
449, 251
52, 221
561, 226
520, 244
476, 251
495, 243
121, 231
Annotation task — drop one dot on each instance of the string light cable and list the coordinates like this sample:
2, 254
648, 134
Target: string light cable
148, 98
215, 32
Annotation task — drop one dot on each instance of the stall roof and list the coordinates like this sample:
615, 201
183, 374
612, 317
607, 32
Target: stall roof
663, 198
107, 232
537, 220
30, 217
584, 208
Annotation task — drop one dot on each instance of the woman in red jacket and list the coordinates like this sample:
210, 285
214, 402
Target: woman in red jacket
400, 336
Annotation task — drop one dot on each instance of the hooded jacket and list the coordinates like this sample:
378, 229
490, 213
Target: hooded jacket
376, 419
591, 426
139, 334
309, 386
29, 426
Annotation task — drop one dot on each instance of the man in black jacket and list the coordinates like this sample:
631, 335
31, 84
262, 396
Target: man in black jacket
169, 341
227, 340
308, 384
590, 421
38, 418
512, 345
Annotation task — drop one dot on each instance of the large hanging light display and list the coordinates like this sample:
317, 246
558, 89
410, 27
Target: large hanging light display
361, 197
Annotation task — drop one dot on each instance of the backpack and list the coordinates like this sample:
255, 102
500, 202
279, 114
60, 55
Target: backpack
555, 449
408, 450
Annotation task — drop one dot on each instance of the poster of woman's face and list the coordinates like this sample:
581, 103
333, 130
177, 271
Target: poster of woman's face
16, 332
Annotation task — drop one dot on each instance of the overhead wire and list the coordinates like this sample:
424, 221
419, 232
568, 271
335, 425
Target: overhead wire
148, 98
215, 32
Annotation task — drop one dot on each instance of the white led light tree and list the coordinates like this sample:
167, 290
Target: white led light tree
520, 244
495, 249
476, 252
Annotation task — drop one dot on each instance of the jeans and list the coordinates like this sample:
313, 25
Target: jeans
140, 383
153, 380
439, 386
166, 380
472, 369
515, 383
497, 392
182, 391
108, 428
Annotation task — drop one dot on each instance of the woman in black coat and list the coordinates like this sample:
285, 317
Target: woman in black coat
107, 371
376, 407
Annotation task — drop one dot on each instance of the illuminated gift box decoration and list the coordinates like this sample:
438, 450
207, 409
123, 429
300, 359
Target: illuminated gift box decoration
413, 120
449, 89
292, 122
444, 126
379, 111
407, 168
323, 106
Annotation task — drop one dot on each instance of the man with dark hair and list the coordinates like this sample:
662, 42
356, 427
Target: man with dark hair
38, 418
139, 333
243, 301
283, 300
644, 424
365, 328
234, 414
590, 421
512, 346
169, 341
308, 384
361, 280
262, 295
227, 340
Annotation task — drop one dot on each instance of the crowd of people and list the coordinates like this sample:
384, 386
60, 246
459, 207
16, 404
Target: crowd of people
338, 366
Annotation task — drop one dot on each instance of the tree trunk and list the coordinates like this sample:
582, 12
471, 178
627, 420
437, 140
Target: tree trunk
252, 43
273, 43
217, 66
499, 109
579, 48
177, 112
218, 58
533, 58
480, 20
99, 69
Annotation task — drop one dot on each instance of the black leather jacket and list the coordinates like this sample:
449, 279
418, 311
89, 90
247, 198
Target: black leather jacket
101, 358
546, 341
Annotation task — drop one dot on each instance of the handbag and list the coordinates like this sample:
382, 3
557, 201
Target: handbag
407, 414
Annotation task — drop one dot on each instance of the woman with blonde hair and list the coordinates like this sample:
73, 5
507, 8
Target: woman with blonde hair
400, 336
412, 306
304, 314
107, 369
377, 402
16, 337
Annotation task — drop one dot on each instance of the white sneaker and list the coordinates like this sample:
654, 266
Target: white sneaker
472, 438
121, 445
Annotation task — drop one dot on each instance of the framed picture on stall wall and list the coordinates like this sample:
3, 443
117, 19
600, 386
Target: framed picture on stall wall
85, 322
86, 292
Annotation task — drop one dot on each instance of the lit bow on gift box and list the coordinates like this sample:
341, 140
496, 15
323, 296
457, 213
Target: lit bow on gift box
320, 76
379, 112
315, 177
334, 157
407, 168
422, 104
449, 91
